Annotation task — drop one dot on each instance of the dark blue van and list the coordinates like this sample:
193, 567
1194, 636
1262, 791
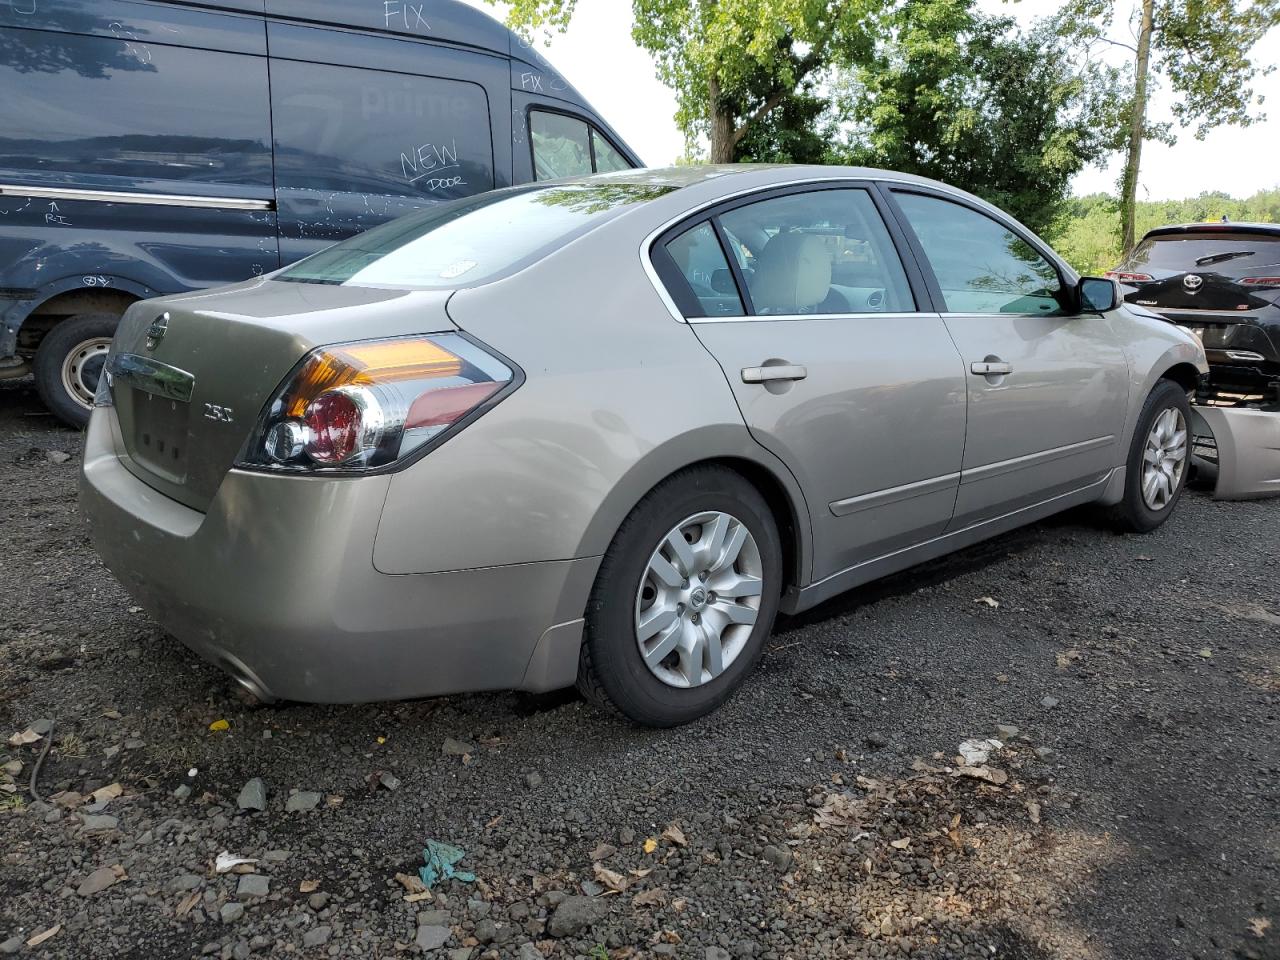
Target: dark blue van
151, 147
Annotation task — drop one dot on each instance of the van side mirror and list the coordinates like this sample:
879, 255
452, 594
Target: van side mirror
1098, 294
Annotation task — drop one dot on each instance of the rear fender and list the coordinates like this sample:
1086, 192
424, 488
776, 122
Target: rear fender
726, 443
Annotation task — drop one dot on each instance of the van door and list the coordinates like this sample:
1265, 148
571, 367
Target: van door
356, 147
142, 133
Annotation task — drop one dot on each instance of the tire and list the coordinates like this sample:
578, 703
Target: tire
1138, 512
68, 362
612, 672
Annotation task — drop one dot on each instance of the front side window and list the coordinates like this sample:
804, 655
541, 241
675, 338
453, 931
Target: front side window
981, 265
818, 252
561, 145
470, 241
565, 146
700, 259
608, 159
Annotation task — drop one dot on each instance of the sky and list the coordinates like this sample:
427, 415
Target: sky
598, 56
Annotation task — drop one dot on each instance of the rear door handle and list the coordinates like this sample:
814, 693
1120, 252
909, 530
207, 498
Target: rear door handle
989, 368
780, 371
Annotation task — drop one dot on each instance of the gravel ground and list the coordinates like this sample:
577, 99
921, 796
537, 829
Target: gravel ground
1131, 813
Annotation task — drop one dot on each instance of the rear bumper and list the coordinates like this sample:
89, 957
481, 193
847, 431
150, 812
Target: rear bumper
1243, 449
276, 585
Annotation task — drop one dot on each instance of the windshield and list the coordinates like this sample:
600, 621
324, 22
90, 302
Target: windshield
1231, 255
470, 241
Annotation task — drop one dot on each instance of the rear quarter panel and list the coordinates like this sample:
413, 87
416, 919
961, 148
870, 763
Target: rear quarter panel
618, 396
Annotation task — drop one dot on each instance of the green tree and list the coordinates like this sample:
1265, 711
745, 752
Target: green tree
967, 98
800, 129
1202, 48
732, 63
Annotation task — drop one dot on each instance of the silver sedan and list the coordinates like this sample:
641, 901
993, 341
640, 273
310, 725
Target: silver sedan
601, 431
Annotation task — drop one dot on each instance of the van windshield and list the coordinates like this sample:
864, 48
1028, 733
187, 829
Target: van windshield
470, 241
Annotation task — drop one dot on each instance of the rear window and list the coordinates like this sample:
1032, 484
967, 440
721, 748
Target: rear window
470, 241
1232, 255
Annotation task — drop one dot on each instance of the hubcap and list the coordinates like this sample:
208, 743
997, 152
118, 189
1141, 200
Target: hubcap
1164, 458
698, 599
82, 368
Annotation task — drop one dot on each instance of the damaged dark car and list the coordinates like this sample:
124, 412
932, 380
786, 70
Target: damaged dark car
1221, 281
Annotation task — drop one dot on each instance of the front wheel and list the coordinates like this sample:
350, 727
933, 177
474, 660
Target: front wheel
684, 599
69, 363
1159, 460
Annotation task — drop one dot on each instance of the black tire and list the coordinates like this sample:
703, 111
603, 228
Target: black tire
1133, 513
611, 671
60, 347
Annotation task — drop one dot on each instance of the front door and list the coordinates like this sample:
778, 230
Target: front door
1047, 384
835, 367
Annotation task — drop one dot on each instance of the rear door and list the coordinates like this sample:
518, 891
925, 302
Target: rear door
1047, 386
838, 366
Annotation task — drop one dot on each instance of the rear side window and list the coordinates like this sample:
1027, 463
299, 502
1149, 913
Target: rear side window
565, 146
470, 241
1228, 254
97, 109
698, 256
980, 264
817, 252
362, 131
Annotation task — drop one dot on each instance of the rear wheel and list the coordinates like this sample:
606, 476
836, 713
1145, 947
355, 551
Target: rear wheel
1159, 460
684, 599
69, 363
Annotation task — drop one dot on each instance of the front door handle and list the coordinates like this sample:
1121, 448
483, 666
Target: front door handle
991, 368
780, 371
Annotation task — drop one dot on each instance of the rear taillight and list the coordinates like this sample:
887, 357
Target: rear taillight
360, 406
1128, 277
1261, 281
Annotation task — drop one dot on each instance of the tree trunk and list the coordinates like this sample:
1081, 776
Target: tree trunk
722, 125
1137, 131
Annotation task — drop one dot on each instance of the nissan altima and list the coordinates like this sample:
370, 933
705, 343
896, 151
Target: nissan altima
601, 431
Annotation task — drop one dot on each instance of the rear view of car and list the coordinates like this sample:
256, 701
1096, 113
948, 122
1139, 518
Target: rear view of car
1222, 281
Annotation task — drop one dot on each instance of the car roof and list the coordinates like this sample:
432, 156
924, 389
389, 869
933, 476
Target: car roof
686, 175
1215, 227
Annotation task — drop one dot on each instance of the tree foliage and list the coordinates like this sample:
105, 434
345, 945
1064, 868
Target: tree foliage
1201, 48
732, 62
970, 99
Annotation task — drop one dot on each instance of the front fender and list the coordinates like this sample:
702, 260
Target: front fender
1153, 347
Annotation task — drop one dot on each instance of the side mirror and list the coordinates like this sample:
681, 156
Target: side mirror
1098, 294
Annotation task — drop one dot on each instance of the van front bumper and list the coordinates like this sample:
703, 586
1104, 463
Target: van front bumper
276, 585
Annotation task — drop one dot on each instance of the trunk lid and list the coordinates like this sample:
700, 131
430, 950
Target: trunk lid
189, 399
1215, 271
1201, 291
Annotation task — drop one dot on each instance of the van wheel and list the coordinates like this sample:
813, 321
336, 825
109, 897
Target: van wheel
1159, 460
684, 599
69, 363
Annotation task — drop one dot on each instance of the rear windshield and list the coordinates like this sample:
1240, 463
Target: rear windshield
470, 241
1231, 255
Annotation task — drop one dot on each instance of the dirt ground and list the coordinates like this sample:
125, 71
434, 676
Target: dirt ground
1132, 811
